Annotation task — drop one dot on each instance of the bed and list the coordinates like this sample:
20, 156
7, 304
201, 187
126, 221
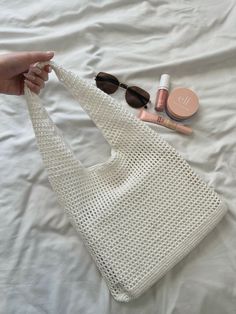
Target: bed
44, 266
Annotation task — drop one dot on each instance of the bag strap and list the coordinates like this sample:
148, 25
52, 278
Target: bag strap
114, 121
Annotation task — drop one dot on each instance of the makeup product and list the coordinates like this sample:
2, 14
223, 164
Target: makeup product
163, 92
182, 103
154, 118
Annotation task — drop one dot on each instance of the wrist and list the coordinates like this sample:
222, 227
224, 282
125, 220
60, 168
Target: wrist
3, 87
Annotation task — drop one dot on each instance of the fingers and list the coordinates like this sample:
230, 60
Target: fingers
40, 73
34, 88
36, 77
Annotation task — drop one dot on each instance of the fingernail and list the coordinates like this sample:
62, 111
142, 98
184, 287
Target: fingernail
50, 53
50, 69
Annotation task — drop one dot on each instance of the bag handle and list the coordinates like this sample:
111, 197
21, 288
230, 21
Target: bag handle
108, 115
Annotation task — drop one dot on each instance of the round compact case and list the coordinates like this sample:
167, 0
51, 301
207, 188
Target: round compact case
135, 235
182, 104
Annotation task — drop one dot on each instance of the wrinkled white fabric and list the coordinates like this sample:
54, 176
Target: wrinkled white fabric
44, 265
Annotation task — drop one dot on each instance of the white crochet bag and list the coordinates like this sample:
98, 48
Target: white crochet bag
138, 213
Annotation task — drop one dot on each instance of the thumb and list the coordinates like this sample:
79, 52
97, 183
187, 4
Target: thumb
36, 56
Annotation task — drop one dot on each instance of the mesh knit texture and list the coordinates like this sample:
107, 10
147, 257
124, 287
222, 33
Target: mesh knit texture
142, 210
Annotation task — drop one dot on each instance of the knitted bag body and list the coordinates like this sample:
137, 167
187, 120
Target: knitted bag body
138, 213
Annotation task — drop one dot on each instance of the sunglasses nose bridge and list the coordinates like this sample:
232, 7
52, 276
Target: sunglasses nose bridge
122, 85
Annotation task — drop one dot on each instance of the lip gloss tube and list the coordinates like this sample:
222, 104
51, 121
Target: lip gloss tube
163, 92
154, 118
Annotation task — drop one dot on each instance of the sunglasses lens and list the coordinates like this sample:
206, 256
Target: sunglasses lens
136, 97
107, 82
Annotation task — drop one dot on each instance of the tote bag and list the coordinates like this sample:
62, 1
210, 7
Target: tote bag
139, 212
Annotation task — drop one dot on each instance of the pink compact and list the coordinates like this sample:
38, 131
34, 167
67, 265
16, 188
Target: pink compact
182, 104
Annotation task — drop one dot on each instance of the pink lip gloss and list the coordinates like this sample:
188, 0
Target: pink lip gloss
163, 92
154, 118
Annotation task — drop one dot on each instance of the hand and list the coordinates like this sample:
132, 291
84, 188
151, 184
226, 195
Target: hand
14, 68
36, 77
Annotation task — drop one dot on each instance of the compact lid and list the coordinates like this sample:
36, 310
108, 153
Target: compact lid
182, 103
164, 81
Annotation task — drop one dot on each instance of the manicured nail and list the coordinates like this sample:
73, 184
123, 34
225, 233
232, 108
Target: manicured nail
50, 53
50, 69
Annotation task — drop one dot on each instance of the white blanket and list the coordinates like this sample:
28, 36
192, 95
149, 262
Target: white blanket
44, 266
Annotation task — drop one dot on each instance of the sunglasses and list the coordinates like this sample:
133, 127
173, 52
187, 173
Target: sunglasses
135, 96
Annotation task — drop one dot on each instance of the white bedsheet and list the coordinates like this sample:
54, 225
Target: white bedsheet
44, 267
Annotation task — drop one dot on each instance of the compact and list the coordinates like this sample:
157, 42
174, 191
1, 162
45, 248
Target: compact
182, 104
